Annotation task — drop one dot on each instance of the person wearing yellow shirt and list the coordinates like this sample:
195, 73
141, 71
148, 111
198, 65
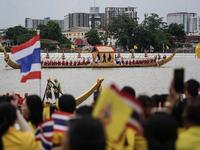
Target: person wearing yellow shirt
10, 138
32, 110
190, 139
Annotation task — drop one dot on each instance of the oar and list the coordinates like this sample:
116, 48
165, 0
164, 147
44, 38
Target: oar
44, 94
56, 88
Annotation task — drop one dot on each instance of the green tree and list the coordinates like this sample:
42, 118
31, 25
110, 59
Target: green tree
47, 45
177, 30
19, 34
153, 31
105, 34
52, 31
93, 37
124, 30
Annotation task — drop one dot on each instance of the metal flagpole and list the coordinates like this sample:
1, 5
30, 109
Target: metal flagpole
38, 32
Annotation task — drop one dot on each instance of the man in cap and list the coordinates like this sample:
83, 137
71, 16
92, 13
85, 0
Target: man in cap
57, 89
48, 90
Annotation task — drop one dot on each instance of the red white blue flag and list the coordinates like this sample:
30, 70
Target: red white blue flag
44, 133
151, 47
61, 120
28, 56
184, 47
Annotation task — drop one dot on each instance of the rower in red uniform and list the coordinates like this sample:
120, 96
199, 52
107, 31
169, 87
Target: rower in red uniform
59, 62
63, 63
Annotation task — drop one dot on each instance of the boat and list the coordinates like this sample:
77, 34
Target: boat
102, 57
84, 96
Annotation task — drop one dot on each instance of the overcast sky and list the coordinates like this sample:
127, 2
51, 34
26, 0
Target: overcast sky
15, 11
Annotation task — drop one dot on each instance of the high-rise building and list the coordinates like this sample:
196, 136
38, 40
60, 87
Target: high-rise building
78, 20
111, 12
33, 23
189, 20
95, 17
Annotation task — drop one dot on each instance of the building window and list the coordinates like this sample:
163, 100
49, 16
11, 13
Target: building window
82, 34
70, 38
78, 34
69, 34
74, 34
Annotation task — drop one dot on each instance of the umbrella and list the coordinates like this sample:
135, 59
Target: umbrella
197, 50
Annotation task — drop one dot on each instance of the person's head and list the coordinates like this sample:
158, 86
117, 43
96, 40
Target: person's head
161, 132
55, 80
148, 104
26, 94
191, 88
191, 113
48, 79
7, 118
84, 110
84, 133
32, 109
129, 90
67, 103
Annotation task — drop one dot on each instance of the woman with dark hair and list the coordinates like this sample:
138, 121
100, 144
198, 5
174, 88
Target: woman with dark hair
32, 110
10, 138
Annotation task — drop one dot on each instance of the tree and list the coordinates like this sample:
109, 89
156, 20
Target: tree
52, 31
177, 31
153, 31
93, 37
124, 29
105, 34
19, 34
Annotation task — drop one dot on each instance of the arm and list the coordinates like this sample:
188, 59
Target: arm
20, 119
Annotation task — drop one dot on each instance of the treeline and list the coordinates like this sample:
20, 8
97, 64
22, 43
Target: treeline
128, 32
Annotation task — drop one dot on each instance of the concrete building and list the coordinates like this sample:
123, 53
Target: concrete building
78, 20
33, 23
115, 11
187, 19
95, 17
76, 33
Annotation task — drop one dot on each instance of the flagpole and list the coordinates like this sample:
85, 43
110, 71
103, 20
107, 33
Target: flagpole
38, 32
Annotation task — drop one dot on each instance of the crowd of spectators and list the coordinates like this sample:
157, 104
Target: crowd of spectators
169, 122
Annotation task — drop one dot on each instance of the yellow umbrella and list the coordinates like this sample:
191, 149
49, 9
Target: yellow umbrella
197, 50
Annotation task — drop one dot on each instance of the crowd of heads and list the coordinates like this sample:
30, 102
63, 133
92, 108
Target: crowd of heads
159, 123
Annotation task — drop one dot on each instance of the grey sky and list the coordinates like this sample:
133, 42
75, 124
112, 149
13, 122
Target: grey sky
15, 11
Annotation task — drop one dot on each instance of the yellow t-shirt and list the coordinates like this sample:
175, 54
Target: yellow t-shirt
58, 138
19, 140
189, 140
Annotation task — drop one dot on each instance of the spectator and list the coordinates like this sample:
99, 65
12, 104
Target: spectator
129, 90
67, 103
32, 110
84, 133
84, 110
161, 132
10, 138
189, 140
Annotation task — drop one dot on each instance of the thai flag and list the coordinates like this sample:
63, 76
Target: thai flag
61, 120
28, 56
135, 121
151, 47
44, 133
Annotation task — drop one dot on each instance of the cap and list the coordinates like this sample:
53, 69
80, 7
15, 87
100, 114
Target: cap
7, 94
55, 79
26, 94
48, 78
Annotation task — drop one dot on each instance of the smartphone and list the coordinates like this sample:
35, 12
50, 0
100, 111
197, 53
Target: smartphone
179, 80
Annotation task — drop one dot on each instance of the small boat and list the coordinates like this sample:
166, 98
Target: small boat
102, 57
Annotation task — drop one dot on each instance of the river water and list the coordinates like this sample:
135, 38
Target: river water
76, 81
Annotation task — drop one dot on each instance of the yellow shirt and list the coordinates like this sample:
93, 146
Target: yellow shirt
58, 138
19, 140
130, 140
189, 140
